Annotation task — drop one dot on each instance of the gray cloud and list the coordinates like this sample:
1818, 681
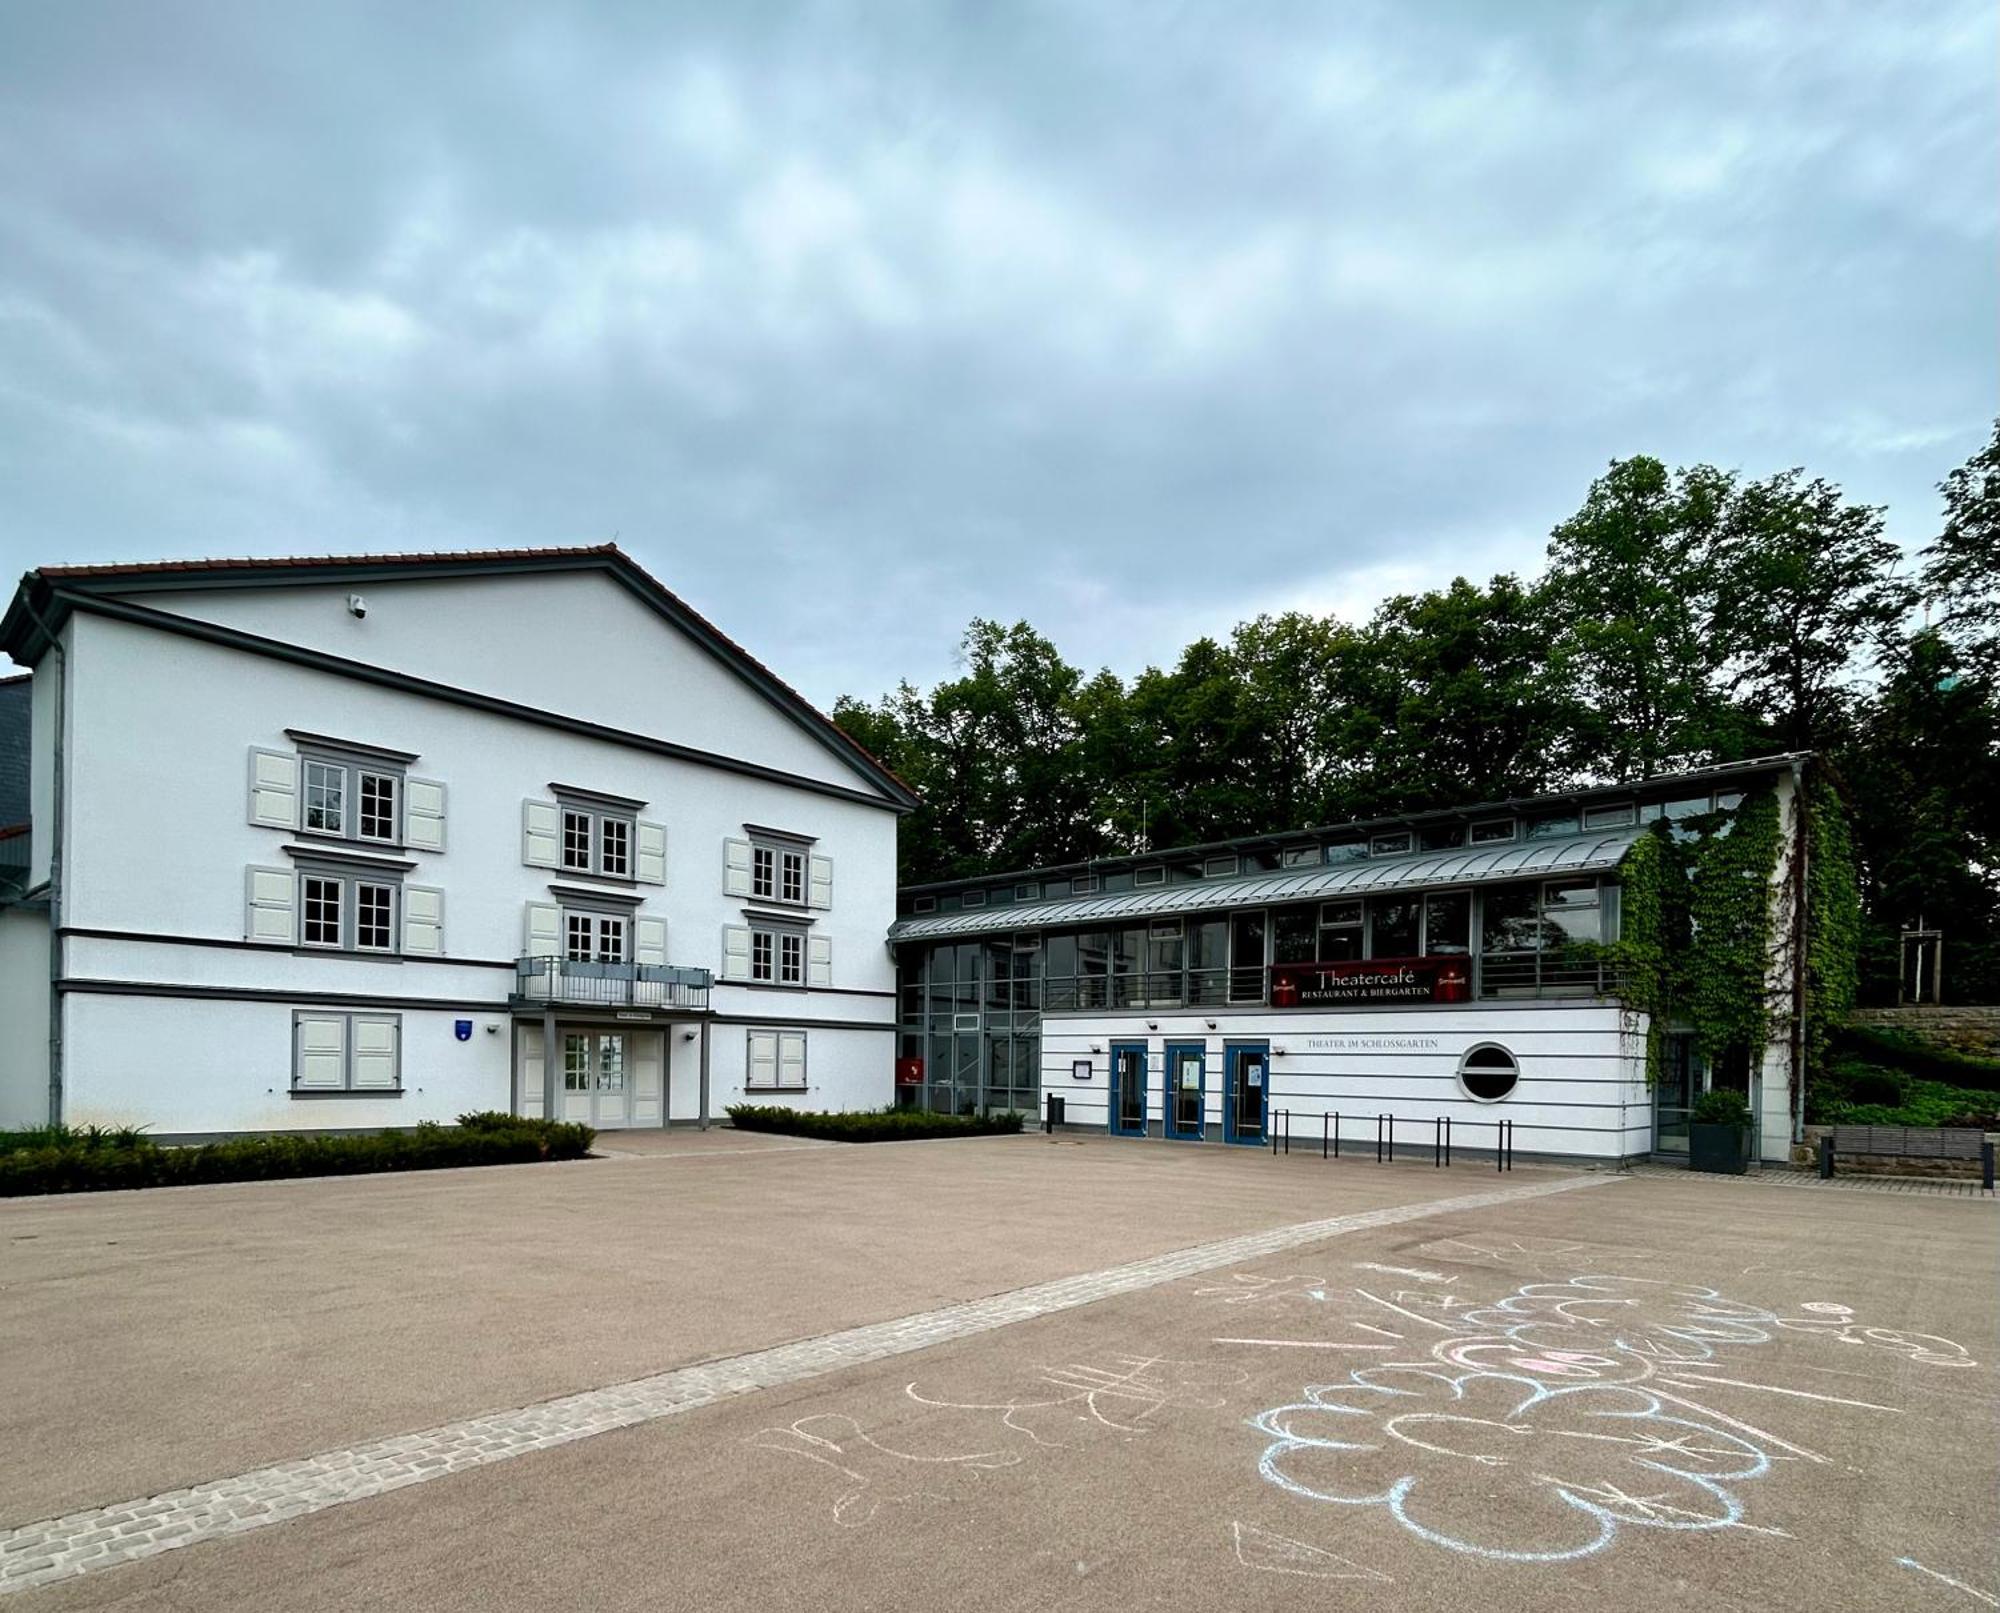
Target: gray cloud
852, 321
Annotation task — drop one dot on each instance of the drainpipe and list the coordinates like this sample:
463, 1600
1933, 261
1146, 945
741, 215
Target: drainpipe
1800, 814
56, 796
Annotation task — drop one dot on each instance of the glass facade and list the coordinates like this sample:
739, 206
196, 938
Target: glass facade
972, 1009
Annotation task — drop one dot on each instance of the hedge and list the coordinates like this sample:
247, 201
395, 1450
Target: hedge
59, 1160
870, 1125
1924, 1061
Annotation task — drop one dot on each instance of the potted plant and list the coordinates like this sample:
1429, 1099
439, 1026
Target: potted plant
1719, 1133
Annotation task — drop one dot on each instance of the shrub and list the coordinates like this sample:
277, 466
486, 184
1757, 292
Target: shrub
86, 1137
1895, 1050
63, 1161
1720, 1107
1869, 1084
870, 1125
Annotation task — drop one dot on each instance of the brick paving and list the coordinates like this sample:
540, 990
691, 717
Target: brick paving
1783, 1176
104, 1537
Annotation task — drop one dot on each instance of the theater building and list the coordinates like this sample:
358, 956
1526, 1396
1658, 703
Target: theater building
1428, 966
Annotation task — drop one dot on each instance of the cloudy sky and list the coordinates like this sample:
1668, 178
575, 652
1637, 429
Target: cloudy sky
852, 322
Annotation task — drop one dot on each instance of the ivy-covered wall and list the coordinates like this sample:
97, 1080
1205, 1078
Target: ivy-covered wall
1708, 939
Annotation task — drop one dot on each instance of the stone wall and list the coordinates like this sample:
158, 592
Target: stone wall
1968, 1030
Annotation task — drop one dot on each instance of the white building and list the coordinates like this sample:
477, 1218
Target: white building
350, 843
1434, 966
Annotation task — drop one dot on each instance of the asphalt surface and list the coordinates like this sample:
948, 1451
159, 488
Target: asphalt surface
1642, 1395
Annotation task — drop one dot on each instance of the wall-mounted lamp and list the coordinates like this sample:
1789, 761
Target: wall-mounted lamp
1152, 1024
1277, 1052
1097, 1047
1209, 1023
688, 1036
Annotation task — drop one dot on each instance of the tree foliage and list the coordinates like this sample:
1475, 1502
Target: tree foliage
1685, 616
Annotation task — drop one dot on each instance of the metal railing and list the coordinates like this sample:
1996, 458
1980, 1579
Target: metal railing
584, 983
1385, 1136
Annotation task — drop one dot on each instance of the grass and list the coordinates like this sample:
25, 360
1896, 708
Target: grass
62, 1159
870, 1125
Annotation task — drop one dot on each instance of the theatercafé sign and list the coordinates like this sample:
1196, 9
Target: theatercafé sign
1378, 980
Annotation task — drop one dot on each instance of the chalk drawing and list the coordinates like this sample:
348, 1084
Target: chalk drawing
1403, 1271
1946, 1579
1428, 1444
1306, 1344
1257, 1288
878, 1475
1839, 1323
1278, 1554
1122, 1395
1776, 1389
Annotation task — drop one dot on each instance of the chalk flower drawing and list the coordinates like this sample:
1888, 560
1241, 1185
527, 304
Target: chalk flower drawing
1505, 1467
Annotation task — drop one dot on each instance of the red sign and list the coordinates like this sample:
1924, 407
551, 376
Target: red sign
909, 1072
1378, 980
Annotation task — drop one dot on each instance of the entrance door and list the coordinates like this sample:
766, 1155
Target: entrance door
1187, 1088
1679, 1085
1128, 1088
1246, 1083
613, 1079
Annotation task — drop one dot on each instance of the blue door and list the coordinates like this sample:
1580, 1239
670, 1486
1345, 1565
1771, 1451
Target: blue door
1128, 1089
1187, 1088
1246, 1091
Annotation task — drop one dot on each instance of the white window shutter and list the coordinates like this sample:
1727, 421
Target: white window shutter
735, 868
274, 789
423, 814
822, 882
649, 940
819, 960
270, 906
763, 1066
735, 952
649, 861
541, 827
375, 1054
542, 936
423, 921
791, 1058
321, 1065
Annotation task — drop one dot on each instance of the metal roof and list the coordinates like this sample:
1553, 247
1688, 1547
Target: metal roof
1427, 870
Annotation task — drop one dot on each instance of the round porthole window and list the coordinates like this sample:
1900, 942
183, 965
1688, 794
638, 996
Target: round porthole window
1488, 1072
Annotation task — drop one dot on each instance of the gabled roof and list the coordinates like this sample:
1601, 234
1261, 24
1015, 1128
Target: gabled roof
51, 592
1428, 870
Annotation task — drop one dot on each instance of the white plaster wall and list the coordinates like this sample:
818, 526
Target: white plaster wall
1582, 1090
24, 1018
845, 1069
41, 760
160, 842
180, 1065
578, 643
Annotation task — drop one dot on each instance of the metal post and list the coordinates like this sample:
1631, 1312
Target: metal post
1322, 1133
1447, 1142
1986, 1165
1285, 1116
1336, 1134
1826, 1156
701, 1124
1437, 1141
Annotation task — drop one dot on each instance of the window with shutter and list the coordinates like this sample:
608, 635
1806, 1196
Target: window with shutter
735, 952
319, 1062
822, 882
377, 1061
791, 1058
423, 814
540, 833
274, 789
542, 931
346, 1052
649, 941
650, 840
761, 1061
820, 956
269, 914
423, 921
736, 867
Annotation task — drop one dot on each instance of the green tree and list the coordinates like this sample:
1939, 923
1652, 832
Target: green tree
1961, 575
1631, 592
1806, 598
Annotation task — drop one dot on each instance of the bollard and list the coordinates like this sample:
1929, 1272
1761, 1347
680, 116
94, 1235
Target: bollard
1986, 1165
1323, 1119
1826, 1158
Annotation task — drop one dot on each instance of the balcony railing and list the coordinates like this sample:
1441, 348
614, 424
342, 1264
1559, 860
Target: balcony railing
582, 983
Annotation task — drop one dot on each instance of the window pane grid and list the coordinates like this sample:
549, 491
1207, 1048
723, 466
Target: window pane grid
373, 917
322, 912
378, 807
763, 871
326, 797
794, 888
576, 841
760, 954
791, 959
614, 846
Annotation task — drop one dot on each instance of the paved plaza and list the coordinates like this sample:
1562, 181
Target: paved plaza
719, 1371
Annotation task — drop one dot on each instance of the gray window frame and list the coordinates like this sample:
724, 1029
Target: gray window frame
352, 769
348, 881
347, 1088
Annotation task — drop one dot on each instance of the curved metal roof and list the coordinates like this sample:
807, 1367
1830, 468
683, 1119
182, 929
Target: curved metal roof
1462, 865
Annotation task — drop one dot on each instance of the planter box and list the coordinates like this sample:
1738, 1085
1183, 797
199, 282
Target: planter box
1723, 1150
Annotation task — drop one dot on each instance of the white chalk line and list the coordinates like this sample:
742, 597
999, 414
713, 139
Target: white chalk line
1305, 1344
1946, 1579
98, 1538
1690, 1379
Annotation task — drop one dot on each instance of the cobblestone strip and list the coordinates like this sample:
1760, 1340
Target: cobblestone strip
1943, 1187
104, 1537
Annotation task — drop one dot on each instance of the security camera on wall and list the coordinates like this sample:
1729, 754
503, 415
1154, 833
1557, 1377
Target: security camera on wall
357, 607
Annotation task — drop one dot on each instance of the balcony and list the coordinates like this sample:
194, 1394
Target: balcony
581, 983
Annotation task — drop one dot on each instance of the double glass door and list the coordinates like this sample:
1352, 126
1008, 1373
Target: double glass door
593, 1078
